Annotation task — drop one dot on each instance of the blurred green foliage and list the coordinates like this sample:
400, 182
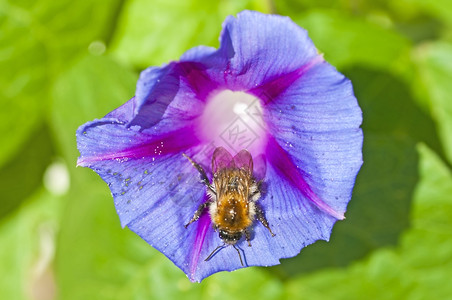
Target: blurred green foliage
67, 62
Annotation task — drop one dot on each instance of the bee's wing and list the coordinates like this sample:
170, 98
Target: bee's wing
221, 159
243, 160
260, 167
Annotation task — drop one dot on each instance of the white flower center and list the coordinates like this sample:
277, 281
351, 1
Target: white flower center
234, 120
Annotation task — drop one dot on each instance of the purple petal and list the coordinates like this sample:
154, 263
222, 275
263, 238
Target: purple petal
313, 150
317, 140
140, 169
155, 199
156, 89
292, 174
272, 88
292, 222
124, 113
265, 47
198, 54
177, 90
111, 139
187, 252
155, 193
255, 48
171, 97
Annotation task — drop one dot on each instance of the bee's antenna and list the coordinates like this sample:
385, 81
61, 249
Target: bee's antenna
215, 251
240, 256
219, 248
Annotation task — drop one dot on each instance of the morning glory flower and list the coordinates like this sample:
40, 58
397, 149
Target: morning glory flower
265, 90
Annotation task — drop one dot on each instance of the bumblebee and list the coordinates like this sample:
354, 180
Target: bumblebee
233, 194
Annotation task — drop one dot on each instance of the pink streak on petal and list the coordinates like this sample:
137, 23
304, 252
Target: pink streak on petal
282, 162
203, 225
273, 88
197, 78
173, 142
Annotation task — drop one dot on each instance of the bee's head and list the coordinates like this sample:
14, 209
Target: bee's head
233, 238
230, 238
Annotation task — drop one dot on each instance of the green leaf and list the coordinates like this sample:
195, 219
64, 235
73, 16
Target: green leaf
156, 32
420, 266
348, 40
28, 240
409, 18
246, 283
93, 87
441, 9
39, 39
434, 70
22, 80
96, 257
379, 209
23, 174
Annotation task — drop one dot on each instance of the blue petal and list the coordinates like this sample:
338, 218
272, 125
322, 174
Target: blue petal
316, 123
291, 221
140, 169
174, 91
313, 122
255, 48
171, 103
154, 195
111, 139
198, 54
155, 189
155, 199
124, 113
156, 88
264, 47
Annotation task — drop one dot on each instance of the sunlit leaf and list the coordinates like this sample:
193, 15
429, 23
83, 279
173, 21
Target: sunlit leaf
156, 32
96, 257
38, 40
442, 9
27, 240
93, 87
347, 41
434, 68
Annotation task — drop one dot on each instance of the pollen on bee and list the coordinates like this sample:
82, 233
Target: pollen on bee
232, 195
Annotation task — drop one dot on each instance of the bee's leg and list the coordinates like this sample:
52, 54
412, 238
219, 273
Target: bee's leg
198, 212
261, 217
255, 191
201, 171
248, 236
